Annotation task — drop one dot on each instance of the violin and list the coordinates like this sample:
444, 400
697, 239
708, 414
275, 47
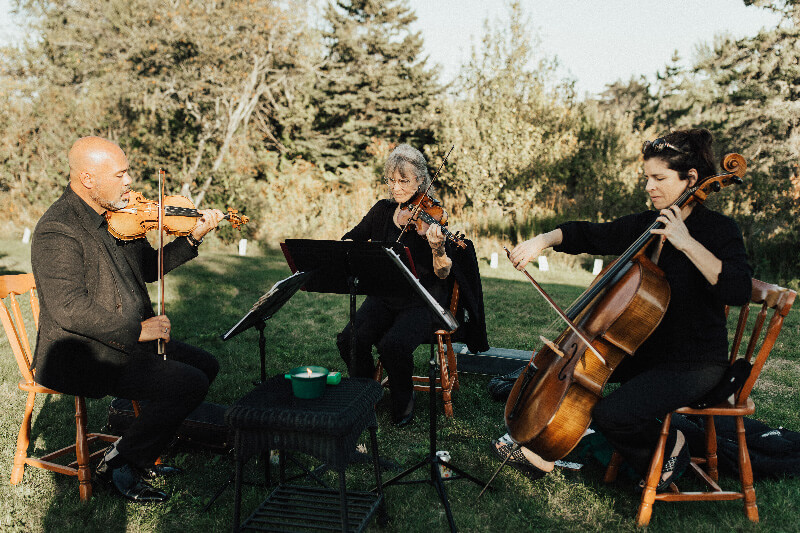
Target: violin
550, 405
141, 215
421, 212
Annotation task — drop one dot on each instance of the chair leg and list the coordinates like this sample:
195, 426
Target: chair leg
82, 450
711, 448
445, 379
452, 365
613, 468
653, 476
746, 473
23, 441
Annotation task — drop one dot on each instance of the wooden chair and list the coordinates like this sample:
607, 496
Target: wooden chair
447, 382
769, 296
10, 287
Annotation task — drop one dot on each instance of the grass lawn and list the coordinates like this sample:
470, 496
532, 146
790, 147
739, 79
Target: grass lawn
207, 296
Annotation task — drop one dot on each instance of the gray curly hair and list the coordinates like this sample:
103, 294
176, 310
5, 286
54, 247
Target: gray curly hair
410, 163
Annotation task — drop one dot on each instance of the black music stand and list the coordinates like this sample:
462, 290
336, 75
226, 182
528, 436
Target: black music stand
351, 267
433, 460
264, 309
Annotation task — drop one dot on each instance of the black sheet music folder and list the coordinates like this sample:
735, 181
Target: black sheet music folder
333, 262
269, 303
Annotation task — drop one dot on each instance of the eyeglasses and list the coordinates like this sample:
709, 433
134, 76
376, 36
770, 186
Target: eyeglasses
659, 144
404, 183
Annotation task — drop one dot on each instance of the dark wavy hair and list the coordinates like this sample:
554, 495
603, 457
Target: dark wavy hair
699, 153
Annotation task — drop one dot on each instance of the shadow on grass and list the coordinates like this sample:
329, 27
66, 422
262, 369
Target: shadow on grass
54, 428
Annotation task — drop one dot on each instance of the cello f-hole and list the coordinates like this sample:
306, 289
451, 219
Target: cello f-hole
564, 370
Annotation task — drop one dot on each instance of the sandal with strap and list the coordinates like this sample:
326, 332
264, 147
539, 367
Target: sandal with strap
517, 460
674, 467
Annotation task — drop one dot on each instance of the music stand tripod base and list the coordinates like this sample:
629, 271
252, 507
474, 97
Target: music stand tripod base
432, 459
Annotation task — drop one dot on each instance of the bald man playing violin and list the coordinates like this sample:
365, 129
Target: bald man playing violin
97, 330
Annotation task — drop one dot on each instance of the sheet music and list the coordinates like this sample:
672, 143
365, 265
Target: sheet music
273, 290
445, 314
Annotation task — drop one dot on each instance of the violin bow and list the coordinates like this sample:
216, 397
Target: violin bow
161, 344
563, 316
419, 205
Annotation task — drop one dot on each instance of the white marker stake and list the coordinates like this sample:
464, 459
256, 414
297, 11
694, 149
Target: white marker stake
598, 266
543, 264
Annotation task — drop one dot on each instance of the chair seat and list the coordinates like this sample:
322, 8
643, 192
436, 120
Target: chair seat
726, 408
35, 387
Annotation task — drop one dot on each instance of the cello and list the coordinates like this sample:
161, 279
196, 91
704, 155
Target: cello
550, 405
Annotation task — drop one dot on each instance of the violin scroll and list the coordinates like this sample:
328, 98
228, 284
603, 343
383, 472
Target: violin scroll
235, 218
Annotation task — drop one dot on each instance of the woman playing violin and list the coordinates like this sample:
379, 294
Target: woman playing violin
396, 326
704, 261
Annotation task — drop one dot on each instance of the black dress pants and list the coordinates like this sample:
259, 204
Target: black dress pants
396, 333
171, 389
631, 416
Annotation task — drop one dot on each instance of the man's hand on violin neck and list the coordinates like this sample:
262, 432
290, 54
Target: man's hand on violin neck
210, 220
157, 327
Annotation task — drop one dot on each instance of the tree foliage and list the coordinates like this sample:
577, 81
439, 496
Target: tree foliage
374, 85
506, 122
524, 142
176, 82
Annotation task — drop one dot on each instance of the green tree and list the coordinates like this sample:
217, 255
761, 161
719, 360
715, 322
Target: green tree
507, 117
183, 82
375, 84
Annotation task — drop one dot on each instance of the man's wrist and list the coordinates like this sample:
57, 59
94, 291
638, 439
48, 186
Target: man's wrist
194, 242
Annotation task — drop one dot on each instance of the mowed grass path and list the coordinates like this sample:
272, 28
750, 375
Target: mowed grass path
208, 295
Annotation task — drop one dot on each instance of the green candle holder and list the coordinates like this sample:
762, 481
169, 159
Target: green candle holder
308, 382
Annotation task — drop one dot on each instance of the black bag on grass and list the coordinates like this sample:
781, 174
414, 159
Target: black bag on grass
204, 429
774, 453
499, 387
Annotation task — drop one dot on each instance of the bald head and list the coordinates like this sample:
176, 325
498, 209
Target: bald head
98, 172
89, 154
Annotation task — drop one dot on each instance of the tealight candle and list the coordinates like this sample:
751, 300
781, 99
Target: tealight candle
308, 382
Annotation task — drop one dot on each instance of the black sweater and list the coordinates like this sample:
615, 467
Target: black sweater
694, 326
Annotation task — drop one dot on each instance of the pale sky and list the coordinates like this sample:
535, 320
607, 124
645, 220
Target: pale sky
596, 41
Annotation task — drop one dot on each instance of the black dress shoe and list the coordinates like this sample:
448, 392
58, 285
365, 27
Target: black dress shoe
126, 481
405, 417
160, 470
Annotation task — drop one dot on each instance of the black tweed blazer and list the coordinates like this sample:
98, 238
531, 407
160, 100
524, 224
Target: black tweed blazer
85, 334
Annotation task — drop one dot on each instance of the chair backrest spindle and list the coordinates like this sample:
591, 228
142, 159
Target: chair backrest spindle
773, 297
12, 286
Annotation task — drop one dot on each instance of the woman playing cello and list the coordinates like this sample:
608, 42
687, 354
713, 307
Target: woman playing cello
705, 264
